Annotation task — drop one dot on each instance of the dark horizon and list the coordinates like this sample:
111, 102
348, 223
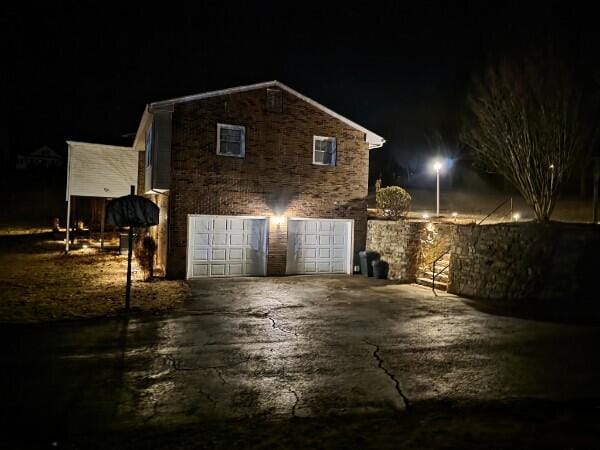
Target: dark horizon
83, 73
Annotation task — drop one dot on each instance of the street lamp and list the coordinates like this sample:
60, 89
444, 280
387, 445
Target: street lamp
437, 166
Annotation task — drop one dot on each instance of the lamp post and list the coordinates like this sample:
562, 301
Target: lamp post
437, 166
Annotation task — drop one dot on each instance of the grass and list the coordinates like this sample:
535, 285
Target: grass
39, 282
473, 206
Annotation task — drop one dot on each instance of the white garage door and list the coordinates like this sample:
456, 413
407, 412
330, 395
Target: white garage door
224, 246
319, 246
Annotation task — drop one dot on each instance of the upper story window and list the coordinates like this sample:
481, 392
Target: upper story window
324, 150
231, 140
149, 146
274, 100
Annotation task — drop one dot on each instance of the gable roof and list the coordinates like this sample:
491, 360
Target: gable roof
374, 140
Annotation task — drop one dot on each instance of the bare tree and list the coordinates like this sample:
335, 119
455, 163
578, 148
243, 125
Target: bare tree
528, 125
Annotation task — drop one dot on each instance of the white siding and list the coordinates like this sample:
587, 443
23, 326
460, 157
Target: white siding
96, 170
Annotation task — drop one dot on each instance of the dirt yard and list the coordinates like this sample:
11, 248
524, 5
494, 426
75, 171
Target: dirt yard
39, 282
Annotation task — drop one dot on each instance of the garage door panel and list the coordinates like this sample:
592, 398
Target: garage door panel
236, 254
324, 240
219, 224
219, 239
325, 227
202, 225
236, 239
310, 239
222, 246
339, 253
218, 254
201, 239
324, 267
340, 228
318, 245
338, 266
236, 224
200, 254
217, 269
339, 240
254, 240
236, 269
309, 227
307, 253
324, 253
200, 270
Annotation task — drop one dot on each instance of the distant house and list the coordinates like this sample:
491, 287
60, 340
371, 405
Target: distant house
255, 180
44, 158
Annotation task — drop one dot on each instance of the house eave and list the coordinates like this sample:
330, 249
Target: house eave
373, 139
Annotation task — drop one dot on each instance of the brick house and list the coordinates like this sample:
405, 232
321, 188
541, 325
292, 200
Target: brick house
254, 180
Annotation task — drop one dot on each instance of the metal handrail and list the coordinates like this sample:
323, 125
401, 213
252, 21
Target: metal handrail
433, 274
496, 209
440, 272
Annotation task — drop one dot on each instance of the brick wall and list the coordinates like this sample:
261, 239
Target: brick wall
276, 177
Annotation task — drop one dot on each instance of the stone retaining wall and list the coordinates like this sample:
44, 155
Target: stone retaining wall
398, 243
525, 261
408, 247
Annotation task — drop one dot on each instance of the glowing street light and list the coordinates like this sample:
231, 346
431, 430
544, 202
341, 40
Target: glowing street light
437, 166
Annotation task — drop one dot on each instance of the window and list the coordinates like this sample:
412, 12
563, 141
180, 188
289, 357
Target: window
324, 151
149, 146
274, 100
231, 140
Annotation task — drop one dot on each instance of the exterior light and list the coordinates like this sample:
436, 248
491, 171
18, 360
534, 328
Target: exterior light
516, 216
437, 166
278, 220
425, 216
552, 166
84, 246
454, 214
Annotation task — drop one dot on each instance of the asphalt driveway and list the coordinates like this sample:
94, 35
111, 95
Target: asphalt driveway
297, 350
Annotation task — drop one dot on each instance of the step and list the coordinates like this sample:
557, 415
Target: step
443, 277
427, 282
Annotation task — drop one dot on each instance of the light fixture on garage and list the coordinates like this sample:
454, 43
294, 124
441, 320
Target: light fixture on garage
278, 220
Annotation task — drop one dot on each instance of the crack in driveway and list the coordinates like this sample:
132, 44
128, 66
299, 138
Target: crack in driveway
177, 365
295, 405
268, 316
390, 375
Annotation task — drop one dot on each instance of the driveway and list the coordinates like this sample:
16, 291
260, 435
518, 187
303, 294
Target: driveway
298, 350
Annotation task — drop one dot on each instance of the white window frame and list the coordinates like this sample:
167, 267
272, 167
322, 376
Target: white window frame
221, 126
333, 156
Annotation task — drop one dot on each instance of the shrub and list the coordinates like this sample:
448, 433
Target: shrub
393, 201
145, 249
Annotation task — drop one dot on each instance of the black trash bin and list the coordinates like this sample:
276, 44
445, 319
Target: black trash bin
366, 260
380, 269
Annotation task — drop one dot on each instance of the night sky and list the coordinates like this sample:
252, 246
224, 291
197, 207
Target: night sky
85, 71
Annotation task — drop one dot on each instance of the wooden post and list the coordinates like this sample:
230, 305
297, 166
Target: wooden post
102, 219
596, 180
129, 254
68, 223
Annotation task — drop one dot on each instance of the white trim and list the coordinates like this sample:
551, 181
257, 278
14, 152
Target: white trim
188, 256
349, 252
334, 155
374, 140
226, 126
90, 144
